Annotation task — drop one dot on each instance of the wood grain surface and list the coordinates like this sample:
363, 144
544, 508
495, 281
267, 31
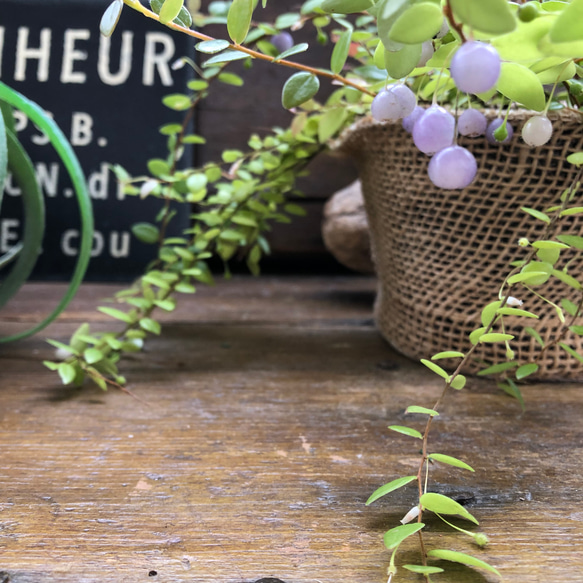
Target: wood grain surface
260, 433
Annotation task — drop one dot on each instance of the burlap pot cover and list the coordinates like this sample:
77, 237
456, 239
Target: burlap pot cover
441, 255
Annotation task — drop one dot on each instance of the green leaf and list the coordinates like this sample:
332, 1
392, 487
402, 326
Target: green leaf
459, 382
452, 461
63, 347
67, 372
239, 20
299, 88
576, 210
231, 79
117, 314
225, 57
520, 84
526, 370
170, 10
510, 388
146, 233
330, 122
476, 334
515, 312
406, 431
420, 22
110, 18
495, 337
346, 6
576, 330
422, 410
441, 504
569, 25
435, 368
567, 279
210, 47
92, 355
576, 159
571, 240
390, 487
532, 332
489, 312
394, 537
150, 325
571, 351
497, 368
177, 102
457, 557
400, 63
301, 48
423, 569
536, 214
493, 16
340, 52
294, 209
448, 354
51, 365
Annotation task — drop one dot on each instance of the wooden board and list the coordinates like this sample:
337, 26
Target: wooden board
262, 431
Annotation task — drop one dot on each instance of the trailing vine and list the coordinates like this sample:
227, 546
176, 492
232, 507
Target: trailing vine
378, 48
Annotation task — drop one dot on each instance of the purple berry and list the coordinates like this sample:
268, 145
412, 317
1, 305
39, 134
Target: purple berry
409, 121
282, 41
434, 130
475, 67
493, 126
452, 168
472, 123
537, 131
393, 103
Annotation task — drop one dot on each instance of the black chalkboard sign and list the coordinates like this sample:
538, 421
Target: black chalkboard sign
105, 94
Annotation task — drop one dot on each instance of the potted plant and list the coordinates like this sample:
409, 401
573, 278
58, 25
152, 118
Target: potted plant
519, 62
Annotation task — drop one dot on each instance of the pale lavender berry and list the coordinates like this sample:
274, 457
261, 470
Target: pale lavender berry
452, 168
472, 123
434, 130
493, 126
475, 67
537, 131
409, 121
406, 98
393, 103
282, 41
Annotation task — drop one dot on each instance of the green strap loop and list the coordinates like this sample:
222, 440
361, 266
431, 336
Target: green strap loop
34, 223
65, 151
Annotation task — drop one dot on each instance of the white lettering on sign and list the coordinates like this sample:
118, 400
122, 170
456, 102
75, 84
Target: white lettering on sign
97, 183
71, 54
158, 60
159, 51
8, 234
118, 244
48, 179
24, 53
81, 129
125, 59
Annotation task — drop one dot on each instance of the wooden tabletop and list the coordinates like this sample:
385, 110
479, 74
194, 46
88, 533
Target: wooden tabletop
260, 432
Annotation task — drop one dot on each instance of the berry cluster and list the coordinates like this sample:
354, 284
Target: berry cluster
475, 68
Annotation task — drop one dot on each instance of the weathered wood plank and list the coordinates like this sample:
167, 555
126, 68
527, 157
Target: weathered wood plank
262, 434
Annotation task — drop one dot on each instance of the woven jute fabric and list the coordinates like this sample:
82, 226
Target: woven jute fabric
442, 255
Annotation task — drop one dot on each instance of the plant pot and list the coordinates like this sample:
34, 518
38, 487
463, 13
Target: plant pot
442, 255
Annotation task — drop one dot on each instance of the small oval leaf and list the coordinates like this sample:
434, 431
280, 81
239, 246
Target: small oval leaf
390, 487
299, 88
452, 461
394, 537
